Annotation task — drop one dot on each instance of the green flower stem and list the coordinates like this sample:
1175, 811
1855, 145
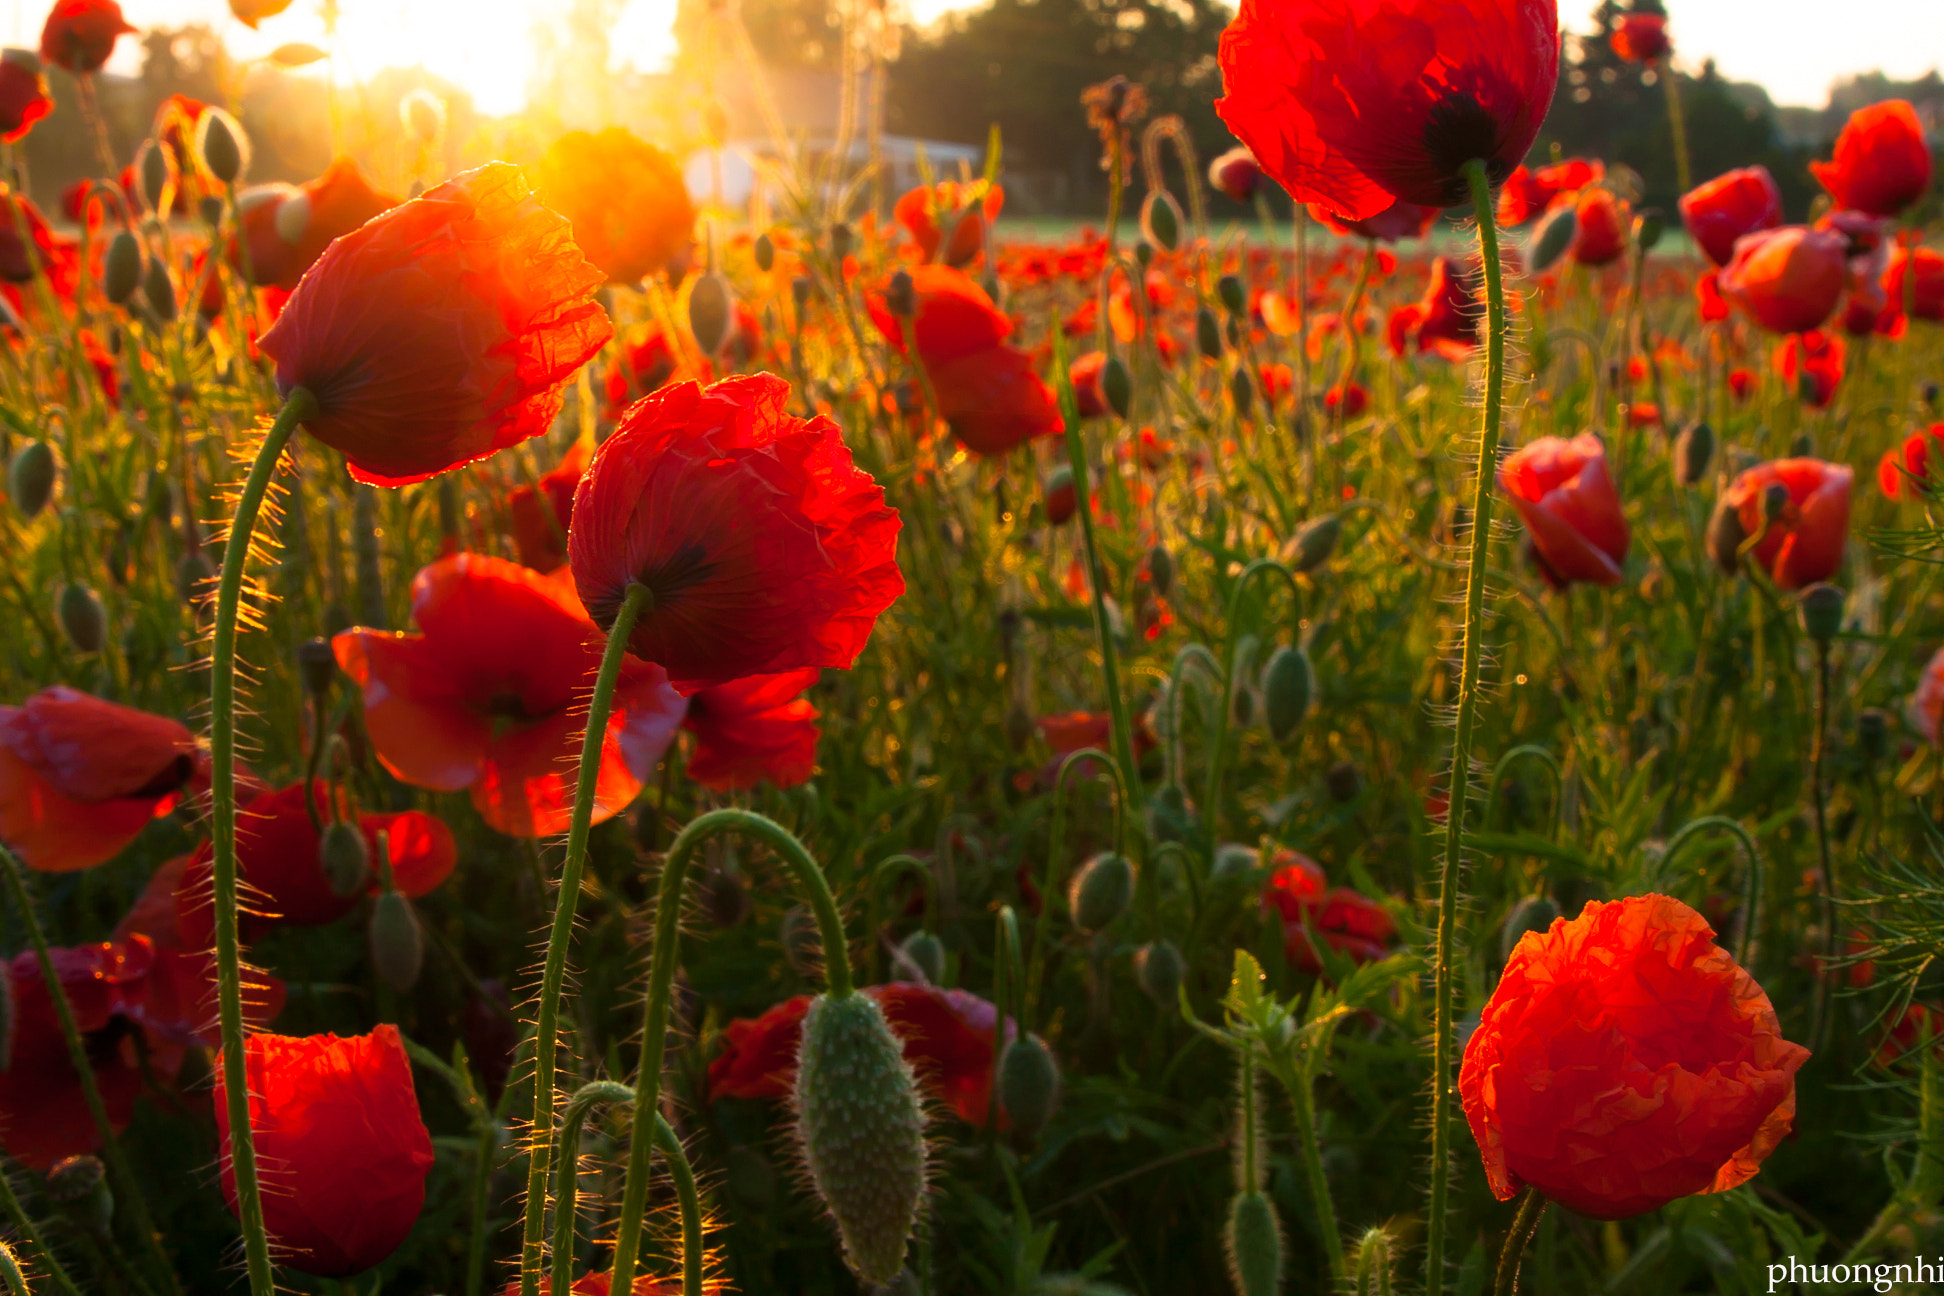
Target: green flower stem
23, 1225
1677, 120
567, 1187
1212, 798
1751, 883
1461, 746
298, 406
1533, 752
1055, 848
1302, 1102
811, 886
1524, 1224
554, 975
887, 868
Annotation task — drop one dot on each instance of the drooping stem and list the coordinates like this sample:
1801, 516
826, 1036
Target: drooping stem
1677, 120
298, 406
554, 973
567, 1190
1751, 884
1055, 852
811, 887
1524, 1224
1481, 543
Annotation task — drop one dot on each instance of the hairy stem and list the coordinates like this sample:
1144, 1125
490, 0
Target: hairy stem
1524, 1224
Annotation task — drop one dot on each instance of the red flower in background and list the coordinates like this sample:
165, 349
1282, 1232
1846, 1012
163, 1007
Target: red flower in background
1641, 37
541, 513
1236, 174
1904, 473
288, 229
1625, 1061
1812, 365
1803, 545
442, 331
56, 254
1729, 206
80, 777
1926, 709
1741, 383
1600, 234
1566, 497
625, 199
341, 1149
1529, 192
1709, 303
1788, 280
1400, 220
1349, 399
80, 35
489, 695
1928, 294
638, 367
1296, 884
24, 99
967, 209
1085, 374
1356, 104
180, 1006
1882, 163
754, 729
1446, 321
1349, 923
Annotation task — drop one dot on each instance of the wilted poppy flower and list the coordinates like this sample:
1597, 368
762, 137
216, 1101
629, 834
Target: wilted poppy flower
625, 199
1812, 365
947, 1037
287, 229
80, 34
491, 694
1566, 497
541, 513
23, 94
751, 730
1926, 295
1787, 280
79, 777
764, 547
1530, 191
1641, 37
1729, 206
967, 210
1625, 1061
1600, 230
1904, 473
1236, 174
1400, 220
342, 1152
1804, 544
1356, 104
441, 331
1882, 163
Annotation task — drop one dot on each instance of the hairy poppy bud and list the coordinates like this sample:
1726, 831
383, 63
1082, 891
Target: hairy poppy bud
1821, 609
1100, 892
710, 313
344, 857
1313, 543
923, 954
397, 944
1161, 570
155, 176
1725, 536
1117, 386
861, 1130
1532, 914
1059, 495
1242, 392
317, 665
802, 941
1288, 686
81, 617
1872, 744
1245, 705
1144, 255
1161, 220
124, 267
79, 1186
223, 146
1029, 1084
1551, 239
1374, 1264
1170, 817
765, 251
1254, 1243
1693, 451
159, 288
1158, 970
1647, 230
1208, 334
1233, 296
840, 240
31, 476
1343, 781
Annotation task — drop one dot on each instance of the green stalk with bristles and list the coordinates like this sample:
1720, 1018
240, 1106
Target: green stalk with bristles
23, 1225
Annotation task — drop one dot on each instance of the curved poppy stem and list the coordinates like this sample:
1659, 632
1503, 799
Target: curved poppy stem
554, 974
1461, 745
567, 1189
811, 886
1055, 847
887, 868
298, 406
1751, 884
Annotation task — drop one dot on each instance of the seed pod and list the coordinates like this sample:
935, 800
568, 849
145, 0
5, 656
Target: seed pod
1313, 543
397, 944
1059, 495
422, 114
1693, 451
159, 288
155, 177
1169, 816
1532, 914
1158, 969
79, 1186
1233, 863
1117, 386
1343, 782
31, 476
223, 145
1288, 687
1029, 1084
765, 253
900, 296
1725, 536
1551, 239
1208, 334
317, 666
1233, 296
1161, 220
1100, 891
1160, 570
1242, 392
1872, 744
923, 955
1255, 1245
1647, 230
861, 1130
82, 619
345, 859
710, 313
800, 290
1821, 609
802, 941
123, 267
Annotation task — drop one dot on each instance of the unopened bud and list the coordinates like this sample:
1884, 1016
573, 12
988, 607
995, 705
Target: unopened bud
1288, 687
1551, 239
31, 476
800, 288
82, 619
1208, 334
155, 174
1170, 817
710, 313
1161, 569
1821, 609
123, 267
1254, 1244
397, 944
1647, 230
423, 115
1100, 892
1059, 495
1313, 543
222, 145
1029, 1084
765, 251
1242, 392
900, 297
159, 288
1144, 255
922, 955
1233, 296
1234, 863
1117, 386
1158, 969
79, 1186
840, 240
316, 665
345, 859
1693, 452
1775, 501
1161, 220
293, 217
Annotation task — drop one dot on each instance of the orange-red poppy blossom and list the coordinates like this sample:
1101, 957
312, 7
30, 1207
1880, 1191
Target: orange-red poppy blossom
764, 547
967, 210
1926, 294
1801, 546
1788, 280
1350, 923
1729, 206
625, 199
490, 695
1565, 495
1445, 321
1600, 230
1905, 473
1812, 365
80, 35
24, 99
542, 512
341, 1149
1356, 104
1530, 191
1882, 163
1400, 220
442, 331
1641, 37
753, 730
1236, 174
286, 230
1624, 1061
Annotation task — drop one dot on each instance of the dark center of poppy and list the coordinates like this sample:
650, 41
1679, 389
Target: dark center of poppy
103, 1046
1457, 130
686, 567
507, 705
167, 779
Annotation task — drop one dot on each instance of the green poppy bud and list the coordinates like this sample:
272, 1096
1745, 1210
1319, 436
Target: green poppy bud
1647, 230
1288, 688
1313, 543
1725, 536
900, 296
79, 1186
345, 859
1821, 609
1208, 334
1233, 296
1161, 570
923, 954
159, 288
1117, 386
1693, 451
1242, 392
1255, 1245
765, 253
1161, 220
31, 476
800, 290
840, 240
82, 619
155, 177
1234, 863
1029, 1084
317, 665
1551, 239
1532, 914
123, 267
1158, 970
1100, 892
710, 312
224, 147
1170, 817
397, 944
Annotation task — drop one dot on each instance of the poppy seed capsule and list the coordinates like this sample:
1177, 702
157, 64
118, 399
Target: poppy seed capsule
1208, 334
1029, 1084
1647, 230
1532, 914
1161, 220
1821, 609
1059, 495
397, 944
155, 173
345, 859
1117, 386
1313, 543
317, 666
1230, 292
710, 313
861, 1130
1160, 570
765, 252
81, 617
222, 145
79, 1186
1158, 970
1255, 1245
1144, 255
901, 295
30, 477
1242, 392
1551, 239
1288, 687
1693, 452
159, 289
123, 267
1100, 891
800, 289
923, 954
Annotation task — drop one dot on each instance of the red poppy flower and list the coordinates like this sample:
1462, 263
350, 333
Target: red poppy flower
288, 229
1448, 325
1918, 1025
80, 34
1926, 707
636, 368
1350, 923
1803, 545
1624, 1061
1400, 220
766, 549
1528, 192
1787, 280
342, 1152
1349, 399
1812, 365
968, 209
1355, 104
57, 254
1711, 305
541, 514
625, 199
751, 730
1741, 383
1296, 885
1929, 288
1729, 206
24, 99
1070, 732
490, 695
180, 1009
1085, 374
1882, 163
441, 331
1566, 497
1904, 473
1236, 174
1600, 234
947, 1037
1641, 37
79, 777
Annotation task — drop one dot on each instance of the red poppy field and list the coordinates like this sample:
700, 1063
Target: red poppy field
560, 733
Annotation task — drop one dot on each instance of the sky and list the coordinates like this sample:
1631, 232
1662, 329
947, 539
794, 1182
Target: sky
1796, 48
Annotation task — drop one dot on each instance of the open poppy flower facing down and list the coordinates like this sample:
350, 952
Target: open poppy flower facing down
1624, 1061
1400, 220
626, 200
341, 1149
1641, 37
1882, 164
1530, 191
1803, 545
442, 331
1788, 280
24, 99
1905, 473
1446, 320
491, 694
79, 777
764, 547
1812, 365
968, 210
80, 35
1729, 206
751, 730
1356, 104
288, 231
1566, 497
